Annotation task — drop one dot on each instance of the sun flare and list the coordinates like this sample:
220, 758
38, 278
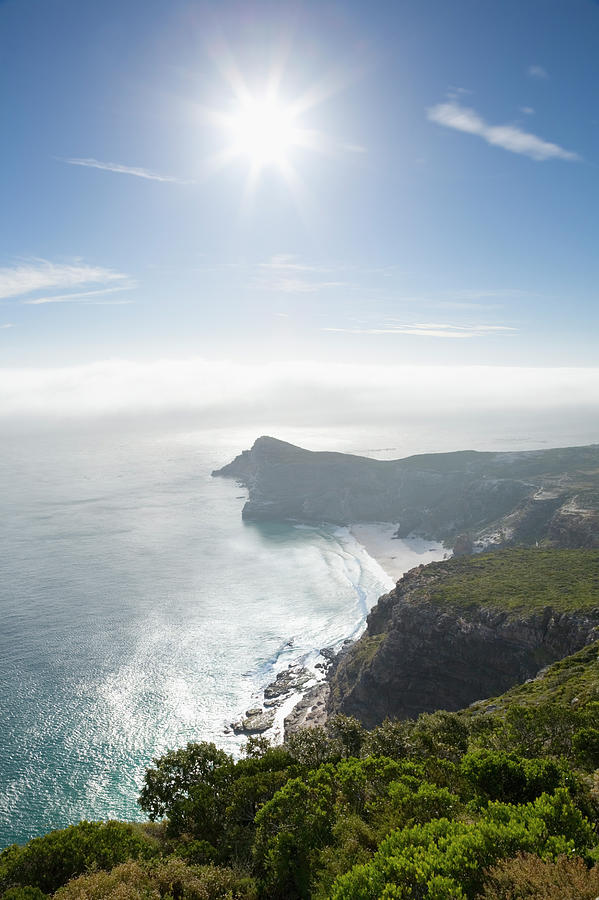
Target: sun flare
264, 130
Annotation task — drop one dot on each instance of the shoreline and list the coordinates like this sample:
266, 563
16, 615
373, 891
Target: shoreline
271, 714
396, 556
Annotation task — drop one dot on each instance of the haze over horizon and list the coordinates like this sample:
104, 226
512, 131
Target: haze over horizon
246, 210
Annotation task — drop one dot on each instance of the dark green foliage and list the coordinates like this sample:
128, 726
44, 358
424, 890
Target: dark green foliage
50, 861
311, 747
190, 787
297, 821
504, 776
439, 735
23, 893
412, 805
211, 801
585, 744
444, 859
348, 733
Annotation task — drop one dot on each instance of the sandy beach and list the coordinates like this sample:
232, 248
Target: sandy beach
396, 555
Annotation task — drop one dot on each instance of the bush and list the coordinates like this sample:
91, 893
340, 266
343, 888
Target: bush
443, 859
50, 861
24, 893
189, 786
164, 879
496, 775
410, 806
528, 876
297, 820
585, 743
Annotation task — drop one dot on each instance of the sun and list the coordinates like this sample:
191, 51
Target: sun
264, 130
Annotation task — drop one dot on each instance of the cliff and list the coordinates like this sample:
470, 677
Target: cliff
494, 498
467, 628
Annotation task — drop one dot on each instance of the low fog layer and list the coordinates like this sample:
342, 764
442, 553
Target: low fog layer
228, 392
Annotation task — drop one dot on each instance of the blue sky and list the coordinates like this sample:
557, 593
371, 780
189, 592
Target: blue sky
446, 212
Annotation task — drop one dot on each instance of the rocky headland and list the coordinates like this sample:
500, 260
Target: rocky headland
468, 497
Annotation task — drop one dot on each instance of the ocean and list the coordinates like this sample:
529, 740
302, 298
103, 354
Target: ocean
138, 611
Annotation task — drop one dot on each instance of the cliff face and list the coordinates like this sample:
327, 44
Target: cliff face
436, 642
497, 498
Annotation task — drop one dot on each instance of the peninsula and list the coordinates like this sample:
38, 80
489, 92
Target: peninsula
467, 499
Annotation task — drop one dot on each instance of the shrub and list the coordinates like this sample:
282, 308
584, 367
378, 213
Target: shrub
504, 776
163, 879
189, 786
423, 804
443, 859
50, 861
585, 743
24, 893
297, 820
528, 876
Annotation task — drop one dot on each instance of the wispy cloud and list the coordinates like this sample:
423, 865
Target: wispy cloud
537, 72
431, 329
527, 110
465, 304
78, 297
40, 274
354, 148
286, 274
454, 93
509, 137
289, 262
8, 325
300, 286
137, 171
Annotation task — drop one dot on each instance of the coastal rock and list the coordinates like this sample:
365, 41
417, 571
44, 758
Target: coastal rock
256, 721
292, 679
310, 711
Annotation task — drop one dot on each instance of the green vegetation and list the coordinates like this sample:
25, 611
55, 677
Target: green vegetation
516, 581
499, 801
572, 681
439, 807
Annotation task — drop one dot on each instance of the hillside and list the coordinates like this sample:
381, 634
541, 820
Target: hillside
571, 682
549, 496
470, 627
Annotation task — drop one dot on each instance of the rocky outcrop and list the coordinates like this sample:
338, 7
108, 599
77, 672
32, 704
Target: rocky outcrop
420, 654
490, 498
310, 711
255, 721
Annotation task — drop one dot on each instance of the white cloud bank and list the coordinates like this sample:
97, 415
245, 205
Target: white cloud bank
230, 393
509, 137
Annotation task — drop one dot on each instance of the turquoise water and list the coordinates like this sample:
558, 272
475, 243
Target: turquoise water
139, 612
